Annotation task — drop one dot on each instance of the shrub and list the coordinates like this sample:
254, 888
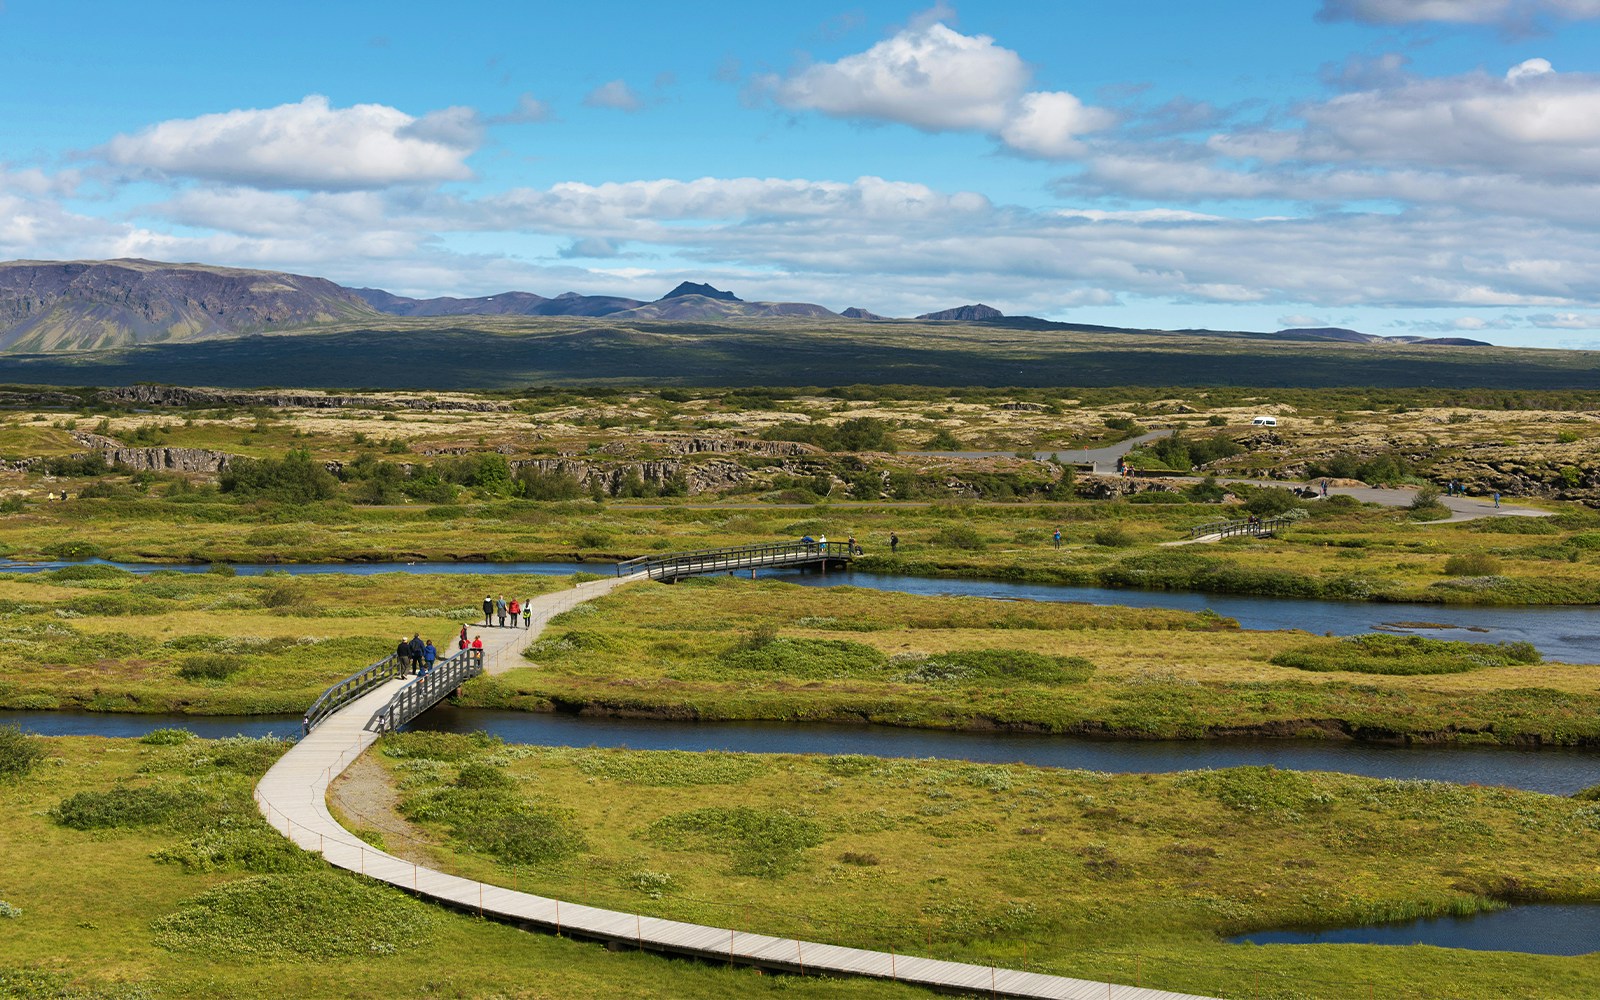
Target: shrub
19, 752
958, 536
1001, 664
166, 737
763, 842
1471, 564
250, 847
124, 806
1113, 536
809, 658
209, 669
308, 915
1394, 654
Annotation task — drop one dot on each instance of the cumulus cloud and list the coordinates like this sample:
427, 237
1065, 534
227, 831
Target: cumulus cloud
309, 145
1511, 13
593, 247
936, 79
616, 95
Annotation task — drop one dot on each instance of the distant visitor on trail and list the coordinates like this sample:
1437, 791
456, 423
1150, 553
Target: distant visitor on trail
488, 609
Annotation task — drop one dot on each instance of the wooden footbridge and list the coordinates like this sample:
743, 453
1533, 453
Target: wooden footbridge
351, 715
674, 566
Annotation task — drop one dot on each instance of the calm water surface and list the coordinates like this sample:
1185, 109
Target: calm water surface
1542, 929
1553, 771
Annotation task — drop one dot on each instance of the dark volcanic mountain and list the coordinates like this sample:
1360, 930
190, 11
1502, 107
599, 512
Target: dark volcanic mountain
965, 313
694, 288
503, 304
84, 305
856, 312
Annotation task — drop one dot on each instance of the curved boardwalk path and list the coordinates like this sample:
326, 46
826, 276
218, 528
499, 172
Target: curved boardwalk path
293, 798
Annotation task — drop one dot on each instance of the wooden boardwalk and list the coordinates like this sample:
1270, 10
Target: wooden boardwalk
293, 798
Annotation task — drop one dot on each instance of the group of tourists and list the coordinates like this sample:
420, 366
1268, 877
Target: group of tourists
415, 655
498, 608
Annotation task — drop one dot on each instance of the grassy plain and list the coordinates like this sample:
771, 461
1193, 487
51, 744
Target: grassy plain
722, 648
100, 639
516, 351
1069, 872
201, 899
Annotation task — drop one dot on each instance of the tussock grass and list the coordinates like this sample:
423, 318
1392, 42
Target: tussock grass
1411, 654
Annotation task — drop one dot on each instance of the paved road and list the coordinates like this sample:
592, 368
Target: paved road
1101, 460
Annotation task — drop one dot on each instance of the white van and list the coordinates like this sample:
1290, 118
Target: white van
1265, 422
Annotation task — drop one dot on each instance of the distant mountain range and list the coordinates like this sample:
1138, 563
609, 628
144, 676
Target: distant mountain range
67, 306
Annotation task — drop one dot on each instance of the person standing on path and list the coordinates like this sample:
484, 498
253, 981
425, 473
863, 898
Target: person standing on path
516, 611
527, 613
488, 609
429, 654
894, 543
1496, 499
1058, 538
402, 656
500, 610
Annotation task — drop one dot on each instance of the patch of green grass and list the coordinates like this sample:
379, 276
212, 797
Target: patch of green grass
1411, 654
310, 916
766, 843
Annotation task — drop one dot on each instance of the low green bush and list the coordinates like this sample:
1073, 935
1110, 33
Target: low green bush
1410, 654
19, 752
1471, 564
300, 916
766, 843
1012, 665
124, 806
209, 669
808, 658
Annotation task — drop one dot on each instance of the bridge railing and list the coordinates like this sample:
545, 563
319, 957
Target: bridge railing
427, 690
1228, 529
348, 690
733, 557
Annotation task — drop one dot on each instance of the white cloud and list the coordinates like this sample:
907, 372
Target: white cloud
936, 79
616, 95
529, 111
1565, 321
1527, 68
1511, 13
306, 145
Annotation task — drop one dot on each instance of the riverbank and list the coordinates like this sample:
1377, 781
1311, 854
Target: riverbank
1340, 551
141, 868
728, 649
1064, 872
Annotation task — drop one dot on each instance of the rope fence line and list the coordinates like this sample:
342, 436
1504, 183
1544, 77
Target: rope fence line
896, 935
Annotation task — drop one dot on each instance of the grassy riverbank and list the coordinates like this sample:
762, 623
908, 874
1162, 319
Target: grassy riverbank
1342, 551
1070, 872
100, 639
721, 648
135, 871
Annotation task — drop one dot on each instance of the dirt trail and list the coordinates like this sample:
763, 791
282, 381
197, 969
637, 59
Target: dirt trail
368, 800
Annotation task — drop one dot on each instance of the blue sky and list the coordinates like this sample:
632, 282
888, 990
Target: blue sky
1398, 166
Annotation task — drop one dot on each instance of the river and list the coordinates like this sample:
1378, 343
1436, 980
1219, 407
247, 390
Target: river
1566, 634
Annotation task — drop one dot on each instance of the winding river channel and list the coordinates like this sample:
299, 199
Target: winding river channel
1567, 634
1570, 634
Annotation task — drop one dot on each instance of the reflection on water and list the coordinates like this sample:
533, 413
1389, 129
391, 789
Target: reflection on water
1542, 929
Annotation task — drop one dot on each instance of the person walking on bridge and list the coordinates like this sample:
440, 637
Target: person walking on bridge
418, 647
402, 656
429, 654
488, 609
